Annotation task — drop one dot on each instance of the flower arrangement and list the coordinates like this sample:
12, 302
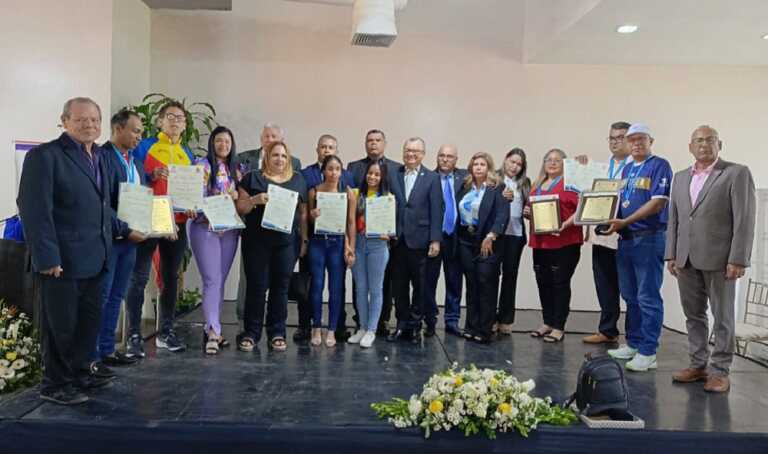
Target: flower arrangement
19, 351
474, 400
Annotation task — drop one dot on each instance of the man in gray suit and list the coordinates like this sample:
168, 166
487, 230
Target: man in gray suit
709, 244
271, 133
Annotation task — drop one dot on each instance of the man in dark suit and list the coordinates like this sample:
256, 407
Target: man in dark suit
451, 180
419, 231
251, 160
375, 145
64, 203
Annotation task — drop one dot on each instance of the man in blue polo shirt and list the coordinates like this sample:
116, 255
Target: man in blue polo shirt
641, 224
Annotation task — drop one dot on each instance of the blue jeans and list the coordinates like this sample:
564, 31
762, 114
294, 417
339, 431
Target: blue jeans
640, 263
371, 257
449, 258
326, 252
114, 286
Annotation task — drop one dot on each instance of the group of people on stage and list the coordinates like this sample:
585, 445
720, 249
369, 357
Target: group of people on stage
468, 221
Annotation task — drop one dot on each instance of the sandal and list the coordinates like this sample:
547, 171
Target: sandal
505, 328
466, 334
223, 343
330, 339
278, 344
540, 332
317, 337
549, 338
246, 344
212, 346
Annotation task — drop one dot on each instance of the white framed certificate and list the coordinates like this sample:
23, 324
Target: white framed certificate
221, 213
280, 209
333, 213
380, 215
186, 185
134, 207
580, 177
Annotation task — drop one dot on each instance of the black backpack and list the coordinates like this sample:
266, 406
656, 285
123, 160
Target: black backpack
601, 388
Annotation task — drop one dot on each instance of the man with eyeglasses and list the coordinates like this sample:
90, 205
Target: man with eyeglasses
642, 224
604, 248
419, 232
709, 245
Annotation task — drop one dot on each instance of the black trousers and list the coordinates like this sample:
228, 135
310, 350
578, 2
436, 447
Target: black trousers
554, 269
606, 276
71, 314
302, 304
171, 256
510, 264
482, 278
408, 268
268, 266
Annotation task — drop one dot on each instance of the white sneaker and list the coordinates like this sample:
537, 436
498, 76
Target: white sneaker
623, 352
355, 338
368, 339
642, 363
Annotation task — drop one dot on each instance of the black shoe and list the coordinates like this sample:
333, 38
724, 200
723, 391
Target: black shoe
135, 347
399, 334
171, 342
90, 381
99, 370
118, 359
302, 335
382, 331
453, 329
342, 335
64, 396
429, 331
415, 338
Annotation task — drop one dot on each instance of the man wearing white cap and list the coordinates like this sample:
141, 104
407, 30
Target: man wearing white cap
642, 225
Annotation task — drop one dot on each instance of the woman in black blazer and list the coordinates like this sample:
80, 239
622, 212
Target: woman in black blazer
483, 216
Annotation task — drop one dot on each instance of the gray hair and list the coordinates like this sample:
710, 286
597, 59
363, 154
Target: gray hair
66, 111
275, 126
415, 139
707, 127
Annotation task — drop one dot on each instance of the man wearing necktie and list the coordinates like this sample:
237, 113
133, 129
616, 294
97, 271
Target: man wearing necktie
451, 180
419, 232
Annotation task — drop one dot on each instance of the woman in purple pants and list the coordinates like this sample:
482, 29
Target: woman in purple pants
215, 250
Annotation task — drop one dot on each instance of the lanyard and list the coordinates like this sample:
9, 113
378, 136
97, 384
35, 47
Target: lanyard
611, 174
633, 176
552, 185
130, 169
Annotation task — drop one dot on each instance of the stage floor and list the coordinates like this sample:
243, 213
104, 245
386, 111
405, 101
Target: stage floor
318, 393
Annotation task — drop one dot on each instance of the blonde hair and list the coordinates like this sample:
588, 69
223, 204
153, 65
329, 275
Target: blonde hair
267, 167
543, 172
491, 180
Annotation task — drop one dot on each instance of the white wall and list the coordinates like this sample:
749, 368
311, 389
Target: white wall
130, 52
313, 83
47, 60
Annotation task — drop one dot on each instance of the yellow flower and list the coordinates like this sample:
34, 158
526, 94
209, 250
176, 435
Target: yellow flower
493, 382
435, 406
504, 408
458, 382
10, 356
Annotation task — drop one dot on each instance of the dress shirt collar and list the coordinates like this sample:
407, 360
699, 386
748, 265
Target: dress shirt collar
412, 171
707, 170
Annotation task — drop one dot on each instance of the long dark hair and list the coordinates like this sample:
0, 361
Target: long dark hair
383, 184
523, 182
230, 159
327, 160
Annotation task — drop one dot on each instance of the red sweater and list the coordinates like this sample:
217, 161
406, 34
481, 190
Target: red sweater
573, 235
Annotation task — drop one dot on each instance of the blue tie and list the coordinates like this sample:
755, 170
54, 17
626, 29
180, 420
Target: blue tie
449, 220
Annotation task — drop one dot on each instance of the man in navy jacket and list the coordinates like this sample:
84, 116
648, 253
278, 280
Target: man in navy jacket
419, 232
64, 203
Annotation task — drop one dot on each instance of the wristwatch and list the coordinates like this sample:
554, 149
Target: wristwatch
491, 236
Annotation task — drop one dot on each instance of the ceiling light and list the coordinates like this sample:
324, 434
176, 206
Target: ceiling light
765, 37
626, 29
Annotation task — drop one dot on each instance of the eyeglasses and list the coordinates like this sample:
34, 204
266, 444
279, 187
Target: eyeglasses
616, 139
173, 117
707, 140
553, 161
413, 150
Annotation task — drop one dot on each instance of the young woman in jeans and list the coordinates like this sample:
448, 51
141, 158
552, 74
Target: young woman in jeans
215, 251
517, 187
370, 259
555, 256
269, 255
329, 251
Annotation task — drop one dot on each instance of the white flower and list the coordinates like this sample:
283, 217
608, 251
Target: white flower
19, 364
4, 363
414, 407
2, 384
24, 351
7, 373
529, 385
